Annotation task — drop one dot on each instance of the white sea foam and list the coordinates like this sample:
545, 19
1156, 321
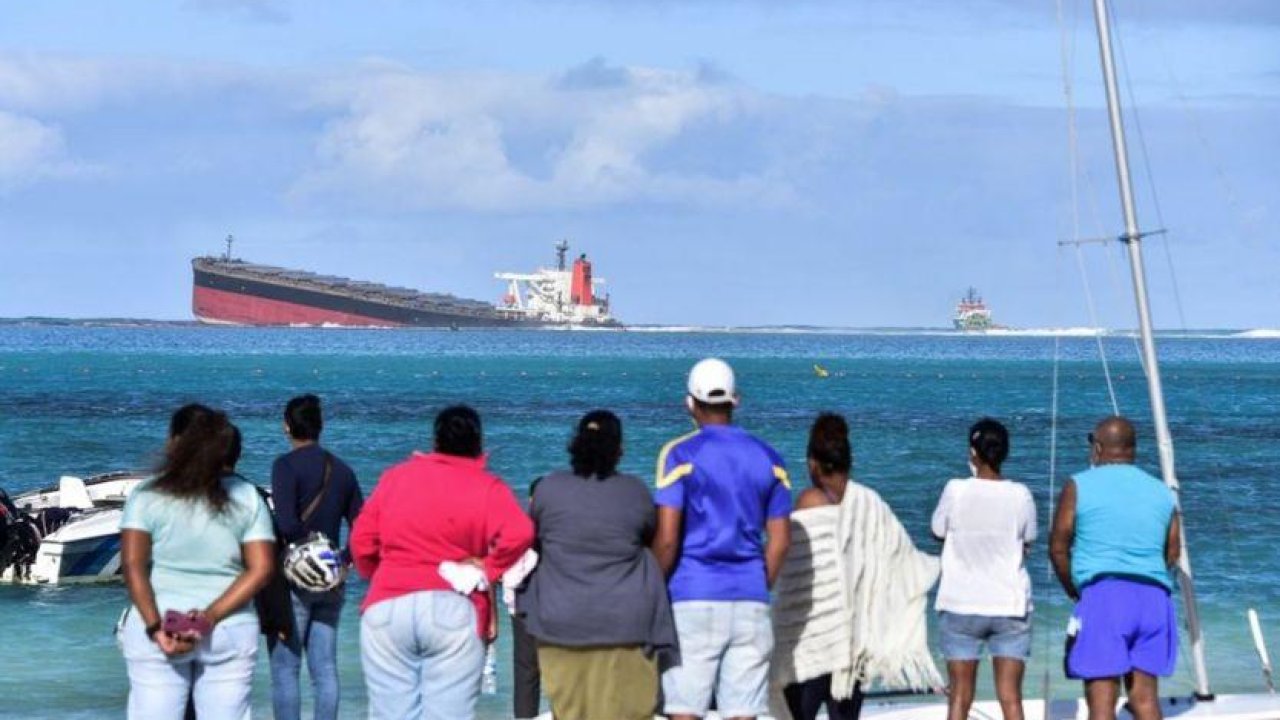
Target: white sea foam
1259, 334
1050, 332
911, 332
337, 326
673, 329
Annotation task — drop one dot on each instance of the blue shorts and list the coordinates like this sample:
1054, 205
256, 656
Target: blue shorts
962, 636
1119, 626
724, 650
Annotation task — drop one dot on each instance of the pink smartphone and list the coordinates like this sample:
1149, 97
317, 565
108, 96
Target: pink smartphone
180, 623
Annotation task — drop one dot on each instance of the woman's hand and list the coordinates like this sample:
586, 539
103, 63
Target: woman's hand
172, 645
203, 624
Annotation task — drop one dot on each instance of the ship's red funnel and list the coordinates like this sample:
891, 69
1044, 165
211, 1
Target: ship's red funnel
580, 293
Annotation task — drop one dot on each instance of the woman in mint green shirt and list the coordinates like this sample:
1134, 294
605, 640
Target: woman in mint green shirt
196, 540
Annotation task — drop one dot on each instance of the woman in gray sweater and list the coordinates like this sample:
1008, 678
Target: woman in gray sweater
597, 604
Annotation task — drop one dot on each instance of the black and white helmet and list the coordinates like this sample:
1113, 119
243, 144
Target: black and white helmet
315, 564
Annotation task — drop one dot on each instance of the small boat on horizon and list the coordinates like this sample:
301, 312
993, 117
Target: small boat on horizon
972, 313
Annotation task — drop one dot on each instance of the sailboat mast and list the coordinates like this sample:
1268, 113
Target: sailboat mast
1133, 241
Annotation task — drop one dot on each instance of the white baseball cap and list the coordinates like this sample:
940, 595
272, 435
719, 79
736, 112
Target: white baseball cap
711, 381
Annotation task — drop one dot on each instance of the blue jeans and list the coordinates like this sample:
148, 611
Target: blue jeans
218, 674
315, 618
724, 652
422, 657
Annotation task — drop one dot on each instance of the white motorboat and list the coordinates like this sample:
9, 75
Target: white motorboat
66, 534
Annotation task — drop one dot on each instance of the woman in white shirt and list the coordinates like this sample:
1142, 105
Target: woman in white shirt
986, 524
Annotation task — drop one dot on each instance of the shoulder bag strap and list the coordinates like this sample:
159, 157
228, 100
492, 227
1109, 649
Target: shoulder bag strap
324, 488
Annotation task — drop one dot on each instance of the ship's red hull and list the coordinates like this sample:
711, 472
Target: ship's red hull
220, 306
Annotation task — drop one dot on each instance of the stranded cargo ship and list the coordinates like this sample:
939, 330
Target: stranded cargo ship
231, 291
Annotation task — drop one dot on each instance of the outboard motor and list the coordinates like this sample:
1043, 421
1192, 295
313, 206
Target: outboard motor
8, 513
12, 532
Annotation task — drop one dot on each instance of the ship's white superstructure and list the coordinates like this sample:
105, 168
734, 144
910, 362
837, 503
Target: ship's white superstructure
972, 314
563, 294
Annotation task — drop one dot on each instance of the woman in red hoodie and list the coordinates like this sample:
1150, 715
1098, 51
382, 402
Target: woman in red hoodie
421, 641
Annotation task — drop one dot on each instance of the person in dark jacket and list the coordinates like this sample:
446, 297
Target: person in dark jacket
309, 481
597, 602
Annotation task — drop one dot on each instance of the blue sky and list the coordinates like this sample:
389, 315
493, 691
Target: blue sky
855, 163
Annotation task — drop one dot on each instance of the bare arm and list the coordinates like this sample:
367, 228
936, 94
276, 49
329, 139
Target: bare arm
811, 498
135, 562
1061, 537
259, 564
1173, 543
666, 541
365, 540
775, 548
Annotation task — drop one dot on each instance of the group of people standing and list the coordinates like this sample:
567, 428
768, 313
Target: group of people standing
711, 591
199, 545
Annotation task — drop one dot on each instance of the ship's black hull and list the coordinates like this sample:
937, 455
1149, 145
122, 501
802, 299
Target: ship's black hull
229, 299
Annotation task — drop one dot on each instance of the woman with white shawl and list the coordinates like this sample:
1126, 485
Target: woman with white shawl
850, 603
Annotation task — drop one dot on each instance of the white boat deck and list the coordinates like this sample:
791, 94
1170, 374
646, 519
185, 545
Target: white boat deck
1224, 707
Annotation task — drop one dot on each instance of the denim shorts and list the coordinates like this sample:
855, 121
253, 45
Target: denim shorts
962, 636
724, 650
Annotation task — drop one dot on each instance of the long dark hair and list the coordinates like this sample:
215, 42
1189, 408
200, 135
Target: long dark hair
989, 439
596, 447
829, 444
195, 460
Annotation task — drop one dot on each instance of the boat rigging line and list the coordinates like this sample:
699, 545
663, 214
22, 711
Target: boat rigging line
1073, 156
1145, 154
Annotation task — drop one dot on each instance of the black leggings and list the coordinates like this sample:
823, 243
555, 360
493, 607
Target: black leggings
526, 692
805, 699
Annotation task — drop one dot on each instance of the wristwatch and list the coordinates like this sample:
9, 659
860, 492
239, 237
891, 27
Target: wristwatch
151, 629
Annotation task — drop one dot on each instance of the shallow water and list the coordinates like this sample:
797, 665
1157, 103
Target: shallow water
86, 400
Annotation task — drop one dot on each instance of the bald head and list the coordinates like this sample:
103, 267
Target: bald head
1114, 440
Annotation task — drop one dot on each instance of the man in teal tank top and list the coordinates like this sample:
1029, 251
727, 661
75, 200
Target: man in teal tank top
1115, 539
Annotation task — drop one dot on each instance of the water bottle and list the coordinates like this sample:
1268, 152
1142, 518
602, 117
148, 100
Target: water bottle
489, 679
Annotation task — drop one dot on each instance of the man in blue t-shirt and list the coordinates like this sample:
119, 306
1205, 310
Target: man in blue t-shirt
1116, 535
723, 499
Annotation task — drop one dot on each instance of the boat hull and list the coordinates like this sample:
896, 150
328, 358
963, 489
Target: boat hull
70, 533
85, 550
234, 300
222, 307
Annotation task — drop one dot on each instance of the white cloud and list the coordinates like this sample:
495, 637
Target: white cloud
56, 84
30, 151
507, 142
47, 83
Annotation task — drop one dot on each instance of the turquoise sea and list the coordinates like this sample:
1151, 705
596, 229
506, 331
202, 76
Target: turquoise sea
83, 400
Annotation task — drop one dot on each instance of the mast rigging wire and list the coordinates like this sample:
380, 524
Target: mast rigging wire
1145, 154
